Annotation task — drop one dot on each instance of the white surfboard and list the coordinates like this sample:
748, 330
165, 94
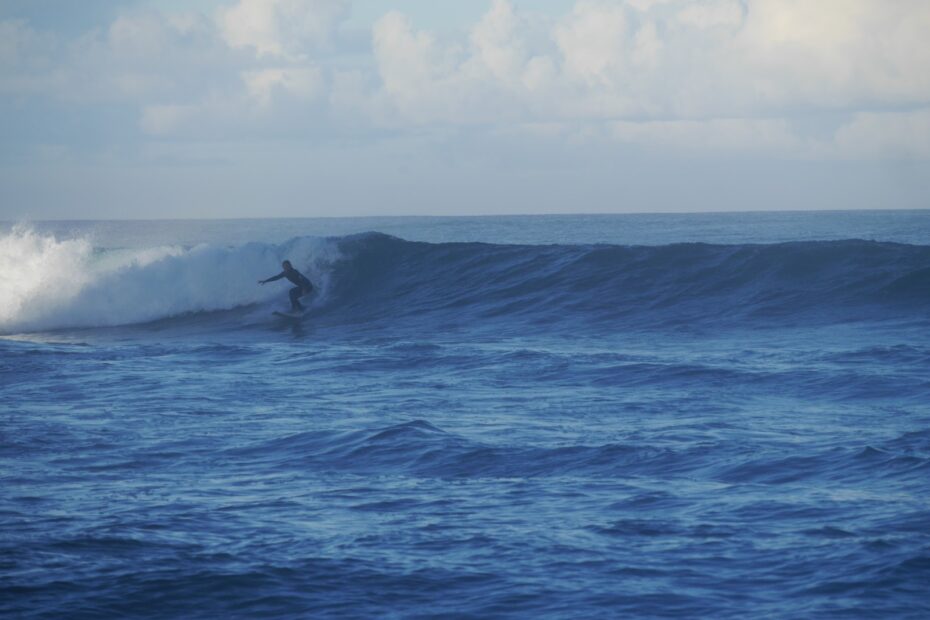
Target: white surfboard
293, 316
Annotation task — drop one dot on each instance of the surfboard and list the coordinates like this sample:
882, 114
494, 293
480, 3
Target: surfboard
293, 316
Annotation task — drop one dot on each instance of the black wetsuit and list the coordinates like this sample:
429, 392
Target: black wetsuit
303, 285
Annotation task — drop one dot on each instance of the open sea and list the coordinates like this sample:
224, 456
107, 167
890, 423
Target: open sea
629, 416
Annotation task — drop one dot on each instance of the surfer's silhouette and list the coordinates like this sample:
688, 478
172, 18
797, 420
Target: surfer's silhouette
303, 284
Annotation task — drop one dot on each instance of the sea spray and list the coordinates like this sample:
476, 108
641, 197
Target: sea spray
47, 283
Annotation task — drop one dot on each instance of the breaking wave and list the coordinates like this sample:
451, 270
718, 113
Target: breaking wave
47, 283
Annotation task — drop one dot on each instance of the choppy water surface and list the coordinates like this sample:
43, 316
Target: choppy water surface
729, 429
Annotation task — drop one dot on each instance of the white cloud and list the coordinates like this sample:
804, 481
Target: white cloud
143, 58
714, 14
406, 59
303, 83
592, 41
678, 72
724, 75
497, 43
833, 53
646, 5
421, 80
289, 28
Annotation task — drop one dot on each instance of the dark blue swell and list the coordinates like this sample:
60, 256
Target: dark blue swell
646, 286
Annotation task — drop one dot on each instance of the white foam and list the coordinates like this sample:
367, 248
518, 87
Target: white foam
47, 283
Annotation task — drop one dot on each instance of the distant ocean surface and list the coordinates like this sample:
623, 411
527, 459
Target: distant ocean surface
630, 416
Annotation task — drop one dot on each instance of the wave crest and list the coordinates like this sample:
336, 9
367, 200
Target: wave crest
671, 285
47, 283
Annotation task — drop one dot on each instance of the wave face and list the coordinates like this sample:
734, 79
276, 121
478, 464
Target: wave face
372, 277
664, 286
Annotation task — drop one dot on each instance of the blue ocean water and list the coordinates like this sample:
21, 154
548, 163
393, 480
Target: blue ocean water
655, 416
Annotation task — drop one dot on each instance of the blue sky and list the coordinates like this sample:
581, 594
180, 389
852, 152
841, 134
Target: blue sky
255, 108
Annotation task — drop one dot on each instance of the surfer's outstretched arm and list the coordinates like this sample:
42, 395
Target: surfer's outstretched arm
273, 278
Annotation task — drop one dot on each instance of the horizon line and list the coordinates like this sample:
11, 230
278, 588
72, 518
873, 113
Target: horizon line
464, 216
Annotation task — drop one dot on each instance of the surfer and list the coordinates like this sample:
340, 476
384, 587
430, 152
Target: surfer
303, 284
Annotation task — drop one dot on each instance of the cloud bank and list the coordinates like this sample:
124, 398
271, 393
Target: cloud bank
832, 80
670, 74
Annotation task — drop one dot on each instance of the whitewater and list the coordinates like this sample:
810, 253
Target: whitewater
491, 417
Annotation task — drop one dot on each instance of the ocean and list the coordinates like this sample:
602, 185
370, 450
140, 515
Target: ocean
605, 416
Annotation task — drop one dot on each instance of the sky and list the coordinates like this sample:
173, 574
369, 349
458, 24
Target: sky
146, 109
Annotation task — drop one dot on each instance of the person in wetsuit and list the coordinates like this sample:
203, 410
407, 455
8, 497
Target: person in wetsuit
303, 284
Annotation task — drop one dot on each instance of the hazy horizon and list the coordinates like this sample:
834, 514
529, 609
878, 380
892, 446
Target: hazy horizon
451, 216
210, 109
